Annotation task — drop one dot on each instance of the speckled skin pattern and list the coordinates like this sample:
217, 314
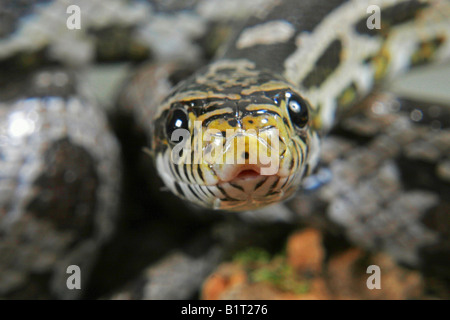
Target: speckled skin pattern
382, 178
60, 178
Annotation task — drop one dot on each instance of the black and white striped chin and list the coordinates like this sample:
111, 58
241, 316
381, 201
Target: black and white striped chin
235, 187
244, 187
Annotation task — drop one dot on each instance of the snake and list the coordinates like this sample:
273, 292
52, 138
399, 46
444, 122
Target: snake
285, 74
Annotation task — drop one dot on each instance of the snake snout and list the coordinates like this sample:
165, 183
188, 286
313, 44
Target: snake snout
247, 155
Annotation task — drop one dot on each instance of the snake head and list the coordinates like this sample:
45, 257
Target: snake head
234, 138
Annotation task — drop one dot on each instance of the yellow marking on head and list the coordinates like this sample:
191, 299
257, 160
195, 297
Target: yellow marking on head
205, 116
270, 107
268, 86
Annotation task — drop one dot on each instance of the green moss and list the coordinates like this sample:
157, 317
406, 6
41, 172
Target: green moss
262, 267
252, 255
266, 275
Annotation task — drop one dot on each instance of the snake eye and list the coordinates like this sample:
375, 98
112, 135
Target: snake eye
298, 109
177, 119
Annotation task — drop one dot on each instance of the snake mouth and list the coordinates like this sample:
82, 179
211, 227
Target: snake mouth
243, 173
247, 174
247, 182
248, 178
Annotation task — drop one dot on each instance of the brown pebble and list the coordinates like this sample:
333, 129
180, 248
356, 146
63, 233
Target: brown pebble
305, 252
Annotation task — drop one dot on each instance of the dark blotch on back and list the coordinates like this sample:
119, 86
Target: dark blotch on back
67, 188
116, 43
325, 65
298, 14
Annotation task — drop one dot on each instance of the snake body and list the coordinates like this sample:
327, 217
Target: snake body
294, 68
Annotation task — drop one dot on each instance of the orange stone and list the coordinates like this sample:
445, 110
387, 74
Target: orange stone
305, 252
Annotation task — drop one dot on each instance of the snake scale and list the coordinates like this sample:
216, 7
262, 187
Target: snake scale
299, 71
